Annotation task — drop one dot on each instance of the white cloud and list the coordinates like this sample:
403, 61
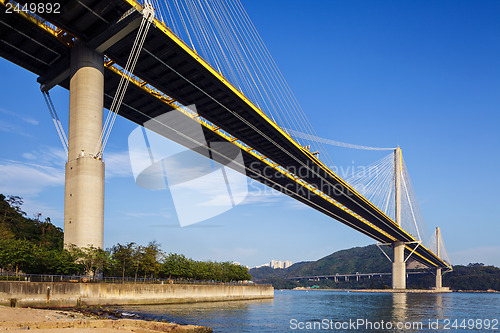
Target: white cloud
117, 164
12, 128
44, 167
22, 117
47, 156
26, 179
34, 206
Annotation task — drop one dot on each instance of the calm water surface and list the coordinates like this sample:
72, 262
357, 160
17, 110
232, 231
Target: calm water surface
333, 311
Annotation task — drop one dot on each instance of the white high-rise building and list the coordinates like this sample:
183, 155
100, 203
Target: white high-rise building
280, 264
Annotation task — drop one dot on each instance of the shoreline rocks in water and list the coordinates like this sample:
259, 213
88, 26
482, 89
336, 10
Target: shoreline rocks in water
86, 320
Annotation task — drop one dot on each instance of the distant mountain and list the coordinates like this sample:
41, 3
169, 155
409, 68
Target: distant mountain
368, 259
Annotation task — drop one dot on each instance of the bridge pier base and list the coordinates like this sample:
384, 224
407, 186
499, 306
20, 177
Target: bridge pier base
399, 266
84, 188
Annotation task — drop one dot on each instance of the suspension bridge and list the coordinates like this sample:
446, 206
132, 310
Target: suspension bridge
144, 60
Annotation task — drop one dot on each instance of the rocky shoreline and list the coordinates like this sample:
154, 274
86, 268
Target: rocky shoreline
91, 320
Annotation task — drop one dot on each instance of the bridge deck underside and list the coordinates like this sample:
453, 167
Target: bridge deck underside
165, 64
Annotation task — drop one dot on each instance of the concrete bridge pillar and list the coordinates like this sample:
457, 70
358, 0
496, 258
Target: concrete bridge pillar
439, 276
84, 191
399, 266
439, 279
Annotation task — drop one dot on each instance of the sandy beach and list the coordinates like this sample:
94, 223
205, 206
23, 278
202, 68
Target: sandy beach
59, 321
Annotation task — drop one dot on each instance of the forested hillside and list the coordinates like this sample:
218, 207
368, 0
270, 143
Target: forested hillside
35, 246
370, 259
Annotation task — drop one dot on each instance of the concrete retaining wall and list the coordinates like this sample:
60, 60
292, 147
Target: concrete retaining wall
25, 294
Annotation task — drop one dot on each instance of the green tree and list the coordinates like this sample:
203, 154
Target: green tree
177, 266
16, 255
137, 259
123, 255
151, 257
93, 259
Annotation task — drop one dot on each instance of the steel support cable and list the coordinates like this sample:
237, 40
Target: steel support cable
384, 178
443, 250
247, 43
204, 31
230, 65
119, 88
370, 185
209, 24
254, 172
122, 95
241, 32
122, 87
224, 29
276, 98
271, 81
386, 206
374, 178
223, 25
56, 121
379, 186
391, 226
188, 18
183, 5
162, 11
366, 172
223, 63
417, 211
332, 142
280, 76
253, 72
236, 62
384, 186
411, 208
172, 18
220, 24
156, 5
184, 24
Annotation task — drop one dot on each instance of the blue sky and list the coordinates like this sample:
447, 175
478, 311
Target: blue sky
423, 75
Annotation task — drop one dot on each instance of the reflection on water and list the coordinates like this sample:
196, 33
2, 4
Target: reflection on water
399, 304
325, 311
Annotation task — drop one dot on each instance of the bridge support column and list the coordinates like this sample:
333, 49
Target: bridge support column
398, 263
439, 279
84, 190
399, 266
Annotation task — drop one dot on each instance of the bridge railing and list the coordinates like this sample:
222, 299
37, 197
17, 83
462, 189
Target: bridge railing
100, 279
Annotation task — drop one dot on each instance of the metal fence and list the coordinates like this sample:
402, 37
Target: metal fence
102, 279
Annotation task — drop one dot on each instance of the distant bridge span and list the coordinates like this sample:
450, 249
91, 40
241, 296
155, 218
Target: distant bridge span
346, 277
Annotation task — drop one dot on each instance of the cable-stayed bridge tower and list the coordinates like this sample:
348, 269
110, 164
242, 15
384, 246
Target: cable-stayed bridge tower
398, 262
